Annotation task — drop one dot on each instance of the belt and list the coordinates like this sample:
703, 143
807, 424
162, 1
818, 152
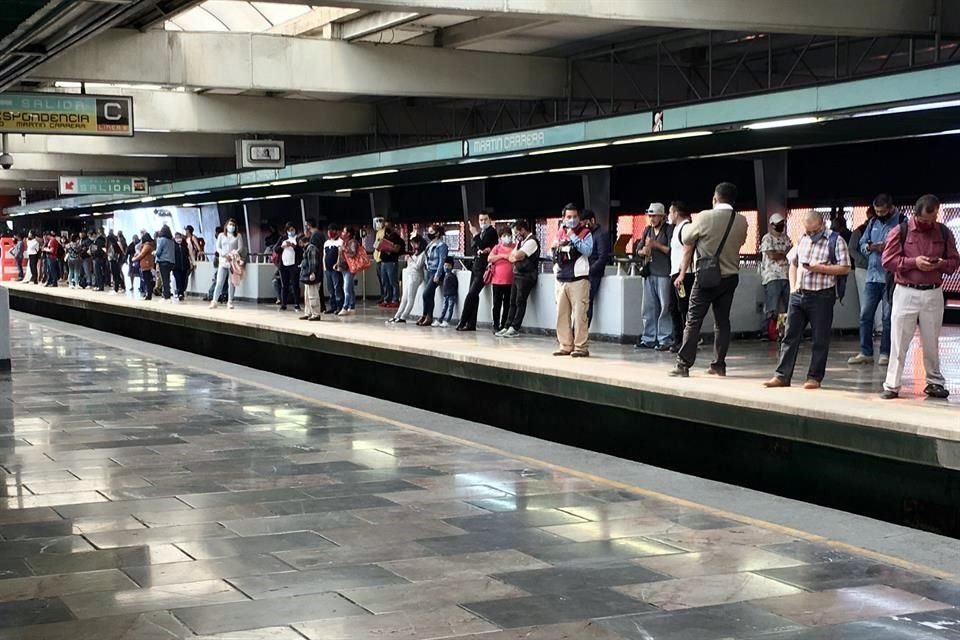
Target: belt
919, 287
806, 292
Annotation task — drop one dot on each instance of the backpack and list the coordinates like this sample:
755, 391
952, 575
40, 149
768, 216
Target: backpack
841, 280
17, 250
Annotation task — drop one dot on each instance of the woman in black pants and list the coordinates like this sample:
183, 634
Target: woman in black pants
502, 279
289, 265
484, 241
181, 265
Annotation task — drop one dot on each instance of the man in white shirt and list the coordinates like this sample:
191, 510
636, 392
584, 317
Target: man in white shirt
680, 302
774, 276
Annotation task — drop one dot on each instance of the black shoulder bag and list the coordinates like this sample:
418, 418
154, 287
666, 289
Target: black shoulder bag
708, 267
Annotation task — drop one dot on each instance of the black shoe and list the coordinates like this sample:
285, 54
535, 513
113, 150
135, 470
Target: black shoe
889, 395
680, 371
580, 354
314, 318
283, 308
662, 347
297, 309
717, 371
644, 345
303, 318
936, 391
400, 321
675, 348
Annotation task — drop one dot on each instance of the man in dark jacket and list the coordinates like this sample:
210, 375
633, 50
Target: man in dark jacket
484, 240
598, 258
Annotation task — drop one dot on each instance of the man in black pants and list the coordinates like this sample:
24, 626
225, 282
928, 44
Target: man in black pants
680, 302
526, 267
718, 232
484, 240
598, 258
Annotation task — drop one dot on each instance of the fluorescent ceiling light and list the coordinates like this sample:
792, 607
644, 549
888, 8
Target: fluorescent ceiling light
344, 190
576, 147
489, 159
464, 179
56, 209
742, 152
787, 122
255, 186
147, 199
948, 132
188, 204
375, 187
42, 211
204, 204
590, 167
249, 199
664, 136
196, 193
378, 172
944, 104
84, 215
519, 173
278, 196
102, 204
139, 130
173, 195
98, 213
230, 201
64, 84
146, 155
281, 183
334, 177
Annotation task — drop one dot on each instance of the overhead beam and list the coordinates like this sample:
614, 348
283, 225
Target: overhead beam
65, 163
861, 18
373, 23
469, 33
181, 145
275, 63
317, 22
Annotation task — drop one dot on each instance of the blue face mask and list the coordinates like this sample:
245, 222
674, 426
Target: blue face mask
291, 234
484, 227
570, 224
818, 236
448, 269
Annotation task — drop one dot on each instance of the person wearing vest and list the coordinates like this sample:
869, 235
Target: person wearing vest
654, 248
716, 236
571, 257
598, 258
526, 267
814, 270
919, 253
680, 299
484, 241
875, 289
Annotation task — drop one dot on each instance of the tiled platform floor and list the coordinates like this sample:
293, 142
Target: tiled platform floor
145, 500
850, 393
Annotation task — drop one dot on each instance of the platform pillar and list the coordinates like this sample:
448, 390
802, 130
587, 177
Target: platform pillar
770, 174
596, 195
4, 329
473, 198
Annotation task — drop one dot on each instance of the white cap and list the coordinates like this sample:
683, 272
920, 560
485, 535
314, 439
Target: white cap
656, 209
777, 217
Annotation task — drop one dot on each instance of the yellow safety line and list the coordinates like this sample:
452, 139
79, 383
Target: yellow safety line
722, 513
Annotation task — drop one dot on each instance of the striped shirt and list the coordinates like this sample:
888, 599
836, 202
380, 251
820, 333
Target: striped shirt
809, 251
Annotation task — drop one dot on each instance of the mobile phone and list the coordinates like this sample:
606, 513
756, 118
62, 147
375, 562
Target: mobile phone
934, 260
806, 265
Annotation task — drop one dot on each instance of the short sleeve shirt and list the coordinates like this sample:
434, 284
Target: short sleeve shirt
809, 252
770, 269
707, 230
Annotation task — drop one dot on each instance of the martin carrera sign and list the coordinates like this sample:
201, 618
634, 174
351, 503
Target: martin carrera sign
66, 114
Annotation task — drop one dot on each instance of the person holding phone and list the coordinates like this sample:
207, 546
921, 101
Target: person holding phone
919, 253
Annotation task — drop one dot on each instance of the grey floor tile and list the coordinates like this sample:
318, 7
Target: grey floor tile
159, 535
941, 590
145, 626
38, 587
836, 575
604, 551
14, 568
208, 592
556, 608
198, 570
253, 615
20, 613
106, 559
521, 539
296, 583
426, 596
222, 499
287, 524
207, 549
446, 622
570, 580
484, 563
331, 556
513, 520
27, 530
706, 623
810, 552
47, 546
125, 507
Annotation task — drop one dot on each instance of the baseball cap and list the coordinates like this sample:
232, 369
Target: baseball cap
656, 209
777, 217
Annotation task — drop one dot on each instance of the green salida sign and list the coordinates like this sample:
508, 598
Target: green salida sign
102, 185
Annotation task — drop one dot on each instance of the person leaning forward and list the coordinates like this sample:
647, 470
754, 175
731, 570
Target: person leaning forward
716, 235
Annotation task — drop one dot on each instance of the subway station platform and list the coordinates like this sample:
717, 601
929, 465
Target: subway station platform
152, 494
842, 445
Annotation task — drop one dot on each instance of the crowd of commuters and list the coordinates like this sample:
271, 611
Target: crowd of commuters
690, 265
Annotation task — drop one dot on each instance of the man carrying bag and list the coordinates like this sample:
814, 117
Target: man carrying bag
716, 235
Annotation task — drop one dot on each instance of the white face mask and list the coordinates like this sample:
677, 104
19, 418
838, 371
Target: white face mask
231, 228
506, 240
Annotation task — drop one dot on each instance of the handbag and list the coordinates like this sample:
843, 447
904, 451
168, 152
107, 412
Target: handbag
359, 262
708, 267
645, 261
488, 274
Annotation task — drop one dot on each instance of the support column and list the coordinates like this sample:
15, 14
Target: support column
770, 174
596, 195
473, 198
379, 204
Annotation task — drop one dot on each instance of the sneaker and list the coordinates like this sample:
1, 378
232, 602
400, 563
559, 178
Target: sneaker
860, 359
510, 333
445, 324
936, 391
390, 321
297, 309
400, 321
230, 305
662, 347
561, 352
889, 394
499, 334
213, 305
680, 371
644, 345
436, 323
580, 354
316, 318
883, 360
342, 312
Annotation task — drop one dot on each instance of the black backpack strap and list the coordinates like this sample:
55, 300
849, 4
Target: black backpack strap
723, 241
946, 238
903, 234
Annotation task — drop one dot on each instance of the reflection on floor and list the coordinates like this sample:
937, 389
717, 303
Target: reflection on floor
143, 500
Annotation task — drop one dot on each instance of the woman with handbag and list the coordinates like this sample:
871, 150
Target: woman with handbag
353, 261
499, 274
230, 269
412, 279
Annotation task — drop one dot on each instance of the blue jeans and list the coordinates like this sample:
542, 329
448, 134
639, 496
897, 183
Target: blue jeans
875, 294
657, 321
53, 271
334, 283
429, 296
390, 281
349, 297
449, 302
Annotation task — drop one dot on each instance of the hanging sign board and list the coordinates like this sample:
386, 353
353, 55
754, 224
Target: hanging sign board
66, 114
102, 185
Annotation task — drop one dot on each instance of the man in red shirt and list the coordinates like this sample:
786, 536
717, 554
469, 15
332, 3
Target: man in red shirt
918, 253
51, 252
